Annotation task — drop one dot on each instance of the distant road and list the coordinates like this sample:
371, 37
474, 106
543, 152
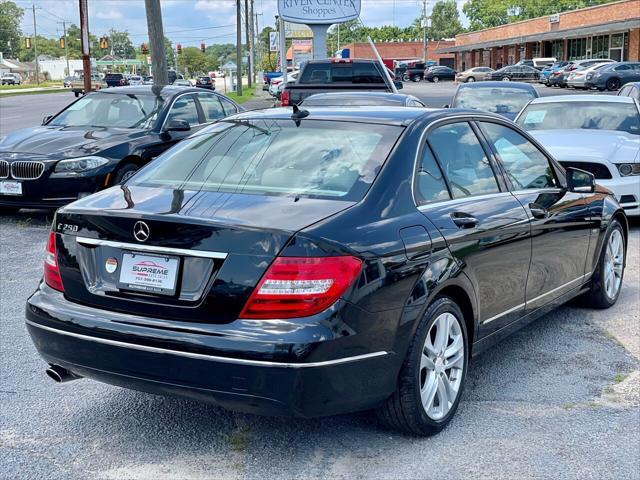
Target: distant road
22, 111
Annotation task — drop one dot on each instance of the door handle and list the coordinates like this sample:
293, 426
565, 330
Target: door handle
464, 220
537, 211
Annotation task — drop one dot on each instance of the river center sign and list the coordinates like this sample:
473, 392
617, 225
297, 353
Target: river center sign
319, 12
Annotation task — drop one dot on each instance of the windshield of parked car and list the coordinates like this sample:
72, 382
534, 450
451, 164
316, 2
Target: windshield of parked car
622, 117
110, 110
496, 100
313, 158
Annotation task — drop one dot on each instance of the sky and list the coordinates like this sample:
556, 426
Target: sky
189, 22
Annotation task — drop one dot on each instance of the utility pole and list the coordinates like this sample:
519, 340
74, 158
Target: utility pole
424, 30
66, 47
156, 43
248, 40
238, 49
84, 41
35, 45
252, 44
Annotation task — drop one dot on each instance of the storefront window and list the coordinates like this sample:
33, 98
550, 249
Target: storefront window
557, 49
600, 46
616, 40
535, 50
577, 49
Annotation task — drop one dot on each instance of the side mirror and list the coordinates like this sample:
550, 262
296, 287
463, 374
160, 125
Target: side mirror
178, 126
398, 84
579, 181
46, 119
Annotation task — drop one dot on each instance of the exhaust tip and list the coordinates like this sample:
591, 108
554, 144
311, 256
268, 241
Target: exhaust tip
60, 374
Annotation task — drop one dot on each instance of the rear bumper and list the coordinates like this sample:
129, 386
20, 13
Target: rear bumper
114, 348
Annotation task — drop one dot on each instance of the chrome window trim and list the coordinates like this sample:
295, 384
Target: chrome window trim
150, 248
211, 358
466, 117
517, 307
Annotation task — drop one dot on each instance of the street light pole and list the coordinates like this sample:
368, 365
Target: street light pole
66, 46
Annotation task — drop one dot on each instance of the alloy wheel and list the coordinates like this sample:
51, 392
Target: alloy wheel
471, 79
436, 79
442, 366
613, 264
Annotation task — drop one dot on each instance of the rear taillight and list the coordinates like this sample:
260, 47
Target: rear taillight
51, 272
284, 98
301, 286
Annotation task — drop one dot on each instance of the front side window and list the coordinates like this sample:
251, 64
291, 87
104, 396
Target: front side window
618, 116
110, 110
229, 108
463, 160
526, 166
184, 108
314, 158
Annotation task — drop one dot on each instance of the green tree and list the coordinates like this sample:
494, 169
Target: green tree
10, 33
193, 62
445, 20
492, 13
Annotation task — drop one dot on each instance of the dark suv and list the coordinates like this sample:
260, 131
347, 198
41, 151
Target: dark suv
115, 80
205, 82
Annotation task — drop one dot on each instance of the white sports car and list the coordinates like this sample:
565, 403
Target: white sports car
596, 133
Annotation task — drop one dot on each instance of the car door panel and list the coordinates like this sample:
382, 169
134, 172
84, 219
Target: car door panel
487, 230
559, 219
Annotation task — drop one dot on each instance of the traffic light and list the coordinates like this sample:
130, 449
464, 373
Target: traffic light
202, 47
61, 42
144, 48
27, 42
179, 48
104, 43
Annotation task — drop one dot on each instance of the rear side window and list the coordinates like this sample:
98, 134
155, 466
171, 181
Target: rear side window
341, 73
430, 184
463, 160
314, 158
526, 166
211, 107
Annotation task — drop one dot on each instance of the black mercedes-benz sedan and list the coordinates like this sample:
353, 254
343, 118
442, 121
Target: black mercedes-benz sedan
313, 262
99, 141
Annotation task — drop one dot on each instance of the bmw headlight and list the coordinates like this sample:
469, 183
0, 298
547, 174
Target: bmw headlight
78, 166
627, 169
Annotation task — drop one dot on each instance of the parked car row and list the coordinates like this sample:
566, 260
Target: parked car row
353, 252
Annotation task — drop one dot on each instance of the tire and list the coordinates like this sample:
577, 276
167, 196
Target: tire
404, 409
506, 79
76, 94
471, 79
599, 296
124, 173
435, 79
416, 78
613, 84
405, 78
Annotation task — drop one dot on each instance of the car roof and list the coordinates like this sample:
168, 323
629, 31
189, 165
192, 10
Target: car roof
165, 91
392, 96
386, 115
493, 84
584, 98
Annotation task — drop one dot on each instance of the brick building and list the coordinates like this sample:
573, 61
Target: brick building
604, 31
404, 50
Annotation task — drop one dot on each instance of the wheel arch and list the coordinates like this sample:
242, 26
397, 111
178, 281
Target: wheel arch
463, 298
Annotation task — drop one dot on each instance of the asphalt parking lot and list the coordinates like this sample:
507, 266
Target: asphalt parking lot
559, 399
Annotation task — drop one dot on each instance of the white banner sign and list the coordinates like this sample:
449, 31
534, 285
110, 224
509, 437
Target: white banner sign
322, 12
274, 41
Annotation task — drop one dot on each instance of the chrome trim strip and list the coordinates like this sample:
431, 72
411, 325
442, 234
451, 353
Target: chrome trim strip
506, 312
517, 307
212, 358
150, 248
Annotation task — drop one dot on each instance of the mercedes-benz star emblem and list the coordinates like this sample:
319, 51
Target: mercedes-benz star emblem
141, 231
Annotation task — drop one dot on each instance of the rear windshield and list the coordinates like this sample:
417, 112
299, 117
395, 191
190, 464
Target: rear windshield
496, 100
319, 159
622, 117
113, 75
341, 73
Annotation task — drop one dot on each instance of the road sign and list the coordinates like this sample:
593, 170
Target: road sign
274, 41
